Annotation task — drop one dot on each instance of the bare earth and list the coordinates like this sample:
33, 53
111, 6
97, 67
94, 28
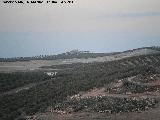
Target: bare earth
152, 114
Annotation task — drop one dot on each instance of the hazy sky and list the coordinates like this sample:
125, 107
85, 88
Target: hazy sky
95, 25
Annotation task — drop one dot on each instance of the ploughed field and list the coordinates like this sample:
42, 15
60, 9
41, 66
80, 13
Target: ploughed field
96, 90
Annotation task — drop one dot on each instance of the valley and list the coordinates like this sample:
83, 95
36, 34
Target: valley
113, 87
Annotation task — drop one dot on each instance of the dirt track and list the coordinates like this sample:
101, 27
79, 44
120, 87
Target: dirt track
152, 114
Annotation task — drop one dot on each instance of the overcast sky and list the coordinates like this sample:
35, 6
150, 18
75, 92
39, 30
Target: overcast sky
95, 25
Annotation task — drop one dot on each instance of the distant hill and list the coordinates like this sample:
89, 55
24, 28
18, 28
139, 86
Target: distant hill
85, 54
67, 55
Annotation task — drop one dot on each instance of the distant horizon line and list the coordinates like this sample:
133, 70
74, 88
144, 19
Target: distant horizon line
78, 51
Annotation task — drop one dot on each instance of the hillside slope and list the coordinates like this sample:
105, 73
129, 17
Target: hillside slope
78, 58
57, 96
